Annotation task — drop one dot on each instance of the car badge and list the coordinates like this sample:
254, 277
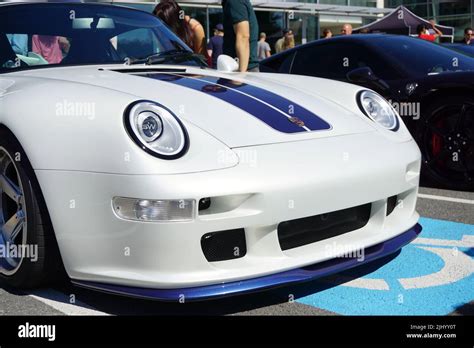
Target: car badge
296, 121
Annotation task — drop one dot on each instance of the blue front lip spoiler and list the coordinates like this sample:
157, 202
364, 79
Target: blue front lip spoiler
297, 275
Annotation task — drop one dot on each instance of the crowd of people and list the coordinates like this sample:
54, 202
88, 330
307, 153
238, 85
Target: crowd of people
237, 37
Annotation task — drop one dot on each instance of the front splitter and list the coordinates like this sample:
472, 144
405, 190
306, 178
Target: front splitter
298, 275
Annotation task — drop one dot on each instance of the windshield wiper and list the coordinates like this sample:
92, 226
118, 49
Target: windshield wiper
166, 56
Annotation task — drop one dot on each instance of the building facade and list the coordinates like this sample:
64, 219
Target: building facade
307, 18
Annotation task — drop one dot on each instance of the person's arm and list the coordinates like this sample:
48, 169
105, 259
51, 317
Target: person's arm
242, 44
438, 32
210, 47
268, 52
278, 45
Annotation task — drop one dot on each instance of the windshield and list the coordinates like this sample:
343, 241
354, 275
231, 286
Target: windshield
56, 34
418, 56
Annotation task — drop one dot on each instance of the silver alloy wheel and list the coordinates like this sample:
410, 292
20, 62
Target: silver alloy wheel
13, 217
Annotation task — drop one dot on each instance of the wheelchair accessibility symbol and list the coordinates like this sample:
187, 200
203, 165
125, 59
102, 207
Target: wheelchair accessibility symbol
457, 266
433, 275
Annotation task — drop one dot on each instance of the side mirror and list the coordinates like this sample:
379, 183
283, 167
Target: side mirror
366, 76
227, 64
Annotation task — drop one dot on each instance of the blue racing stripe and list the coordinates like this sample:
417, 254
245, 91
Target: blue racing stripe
311, 121
276, 119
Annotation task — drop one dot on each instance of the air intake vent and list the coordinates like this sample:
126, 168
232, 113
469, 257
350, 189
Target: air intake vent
299, 232
391, 204
224, 245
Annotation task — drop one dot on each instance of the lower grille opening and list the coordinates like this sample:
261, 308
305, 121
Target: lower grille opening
299, 232
224, 245
391, 204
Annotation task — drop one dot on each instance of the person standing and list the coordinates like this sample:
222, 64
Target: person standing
468, 36
215, 45
264, 50
188, 29
286, 42
241, 33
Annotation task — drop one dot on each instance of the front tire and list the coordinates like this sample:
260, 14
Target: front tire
30, 255
446, 139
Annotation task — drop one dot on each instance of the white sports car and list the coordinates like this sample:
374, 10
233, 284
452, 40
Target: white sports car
125, 159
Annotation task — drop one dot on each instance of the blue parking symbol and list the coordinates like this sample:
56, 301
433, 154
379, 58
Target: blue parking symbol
434, 275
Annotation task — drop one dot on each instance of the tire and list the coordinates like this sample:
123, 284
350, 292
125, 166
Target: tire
41, 261
446, 139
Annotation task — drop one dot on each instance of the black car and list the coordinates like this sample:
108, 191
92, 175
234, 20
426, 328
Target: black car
431, 86
460, 47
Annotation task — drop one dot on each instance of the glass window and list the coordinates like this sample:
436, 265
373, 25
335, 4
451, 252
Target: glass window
215, 17
422, 57
335, 59
272, 24
364, 3
333, 2
280, 64
458, 22
134, 43
60, 34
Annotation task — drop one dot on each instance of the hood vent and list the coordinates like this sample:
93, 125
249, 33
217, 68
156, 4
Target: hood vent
148, 70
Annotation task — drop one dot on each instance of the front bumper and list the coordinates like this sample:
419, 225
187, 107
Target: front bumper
298, 275
279, 182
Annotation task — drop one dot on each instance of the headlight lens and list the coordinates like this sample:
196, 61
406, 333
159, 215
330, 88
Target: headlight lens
378, 109
156, 129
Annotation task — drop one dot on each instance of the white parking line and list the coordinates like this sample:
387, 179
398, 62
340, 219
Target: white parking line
448, 199
61, 302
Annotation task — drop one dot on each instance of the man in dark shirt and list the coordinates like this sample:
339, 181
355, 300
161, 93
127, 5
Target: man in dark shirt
468, 36
214, 47
241, 33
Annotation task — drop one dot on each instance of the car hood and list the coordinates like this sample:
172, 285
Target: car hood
238, 109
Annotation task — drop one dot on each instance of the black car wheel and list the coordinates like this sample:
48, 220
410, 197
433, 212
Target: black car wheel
446, 139
29, 255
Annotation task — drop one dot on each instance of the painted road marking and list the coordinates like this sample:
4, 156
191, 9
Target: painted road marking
457, 266
433, 275
445, 198
363, 283
466, 242
61, 302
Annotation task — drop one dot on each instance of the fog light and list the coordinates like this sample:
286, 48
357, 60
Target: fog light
154, 210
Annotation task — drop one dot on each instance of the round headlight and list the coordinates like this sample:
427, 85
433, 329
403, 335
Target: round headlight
156, 129
149, 126
378, 109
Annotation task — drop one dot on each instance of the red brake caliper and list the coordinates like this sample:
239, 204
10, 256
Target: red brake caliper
436, 140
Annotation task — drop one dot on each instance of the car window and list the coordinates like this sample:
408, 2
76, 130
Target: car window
420, 57
69, 34
137, 43
280, 64
335, 59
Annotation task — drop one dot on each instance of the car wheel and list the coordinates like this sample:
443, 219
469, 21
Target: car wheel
446, 139
28, 249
